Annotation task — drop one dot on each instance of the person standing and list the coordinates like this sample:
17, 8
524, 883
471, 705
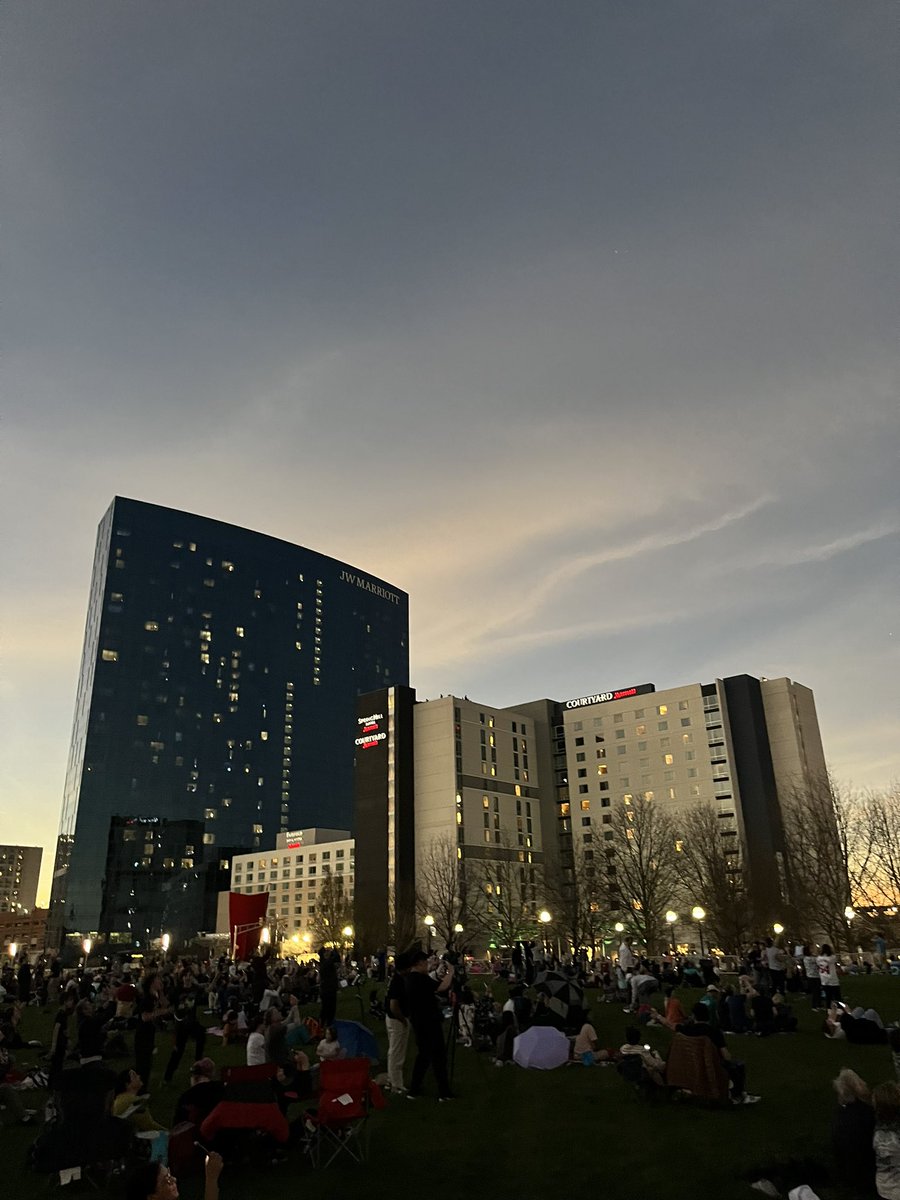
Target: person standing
188, 995
396, 1021
426, 1021
626, 955
828, 975
329, 961
151, 1006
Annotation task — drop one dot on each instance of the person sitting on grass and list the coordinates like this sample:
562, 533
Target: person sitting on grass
894, 1043
231, 1029
128, 1103
736, 1007
330, 1048
852, 1129
202, 1096
886, 1140
585, 1048
503, 1046
673, 1014
256, 1042
736, 1071
652, 1063
154, 1181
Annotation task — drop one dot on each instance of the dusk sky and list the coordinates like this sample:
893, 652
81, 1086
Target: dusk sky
577, 321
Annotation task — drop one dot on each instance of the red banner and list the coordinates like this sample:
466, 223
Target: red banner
246, 917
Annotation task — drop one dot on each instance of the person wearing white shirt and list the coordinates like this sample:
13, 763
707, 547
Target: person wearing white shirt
626, 955
256, 1044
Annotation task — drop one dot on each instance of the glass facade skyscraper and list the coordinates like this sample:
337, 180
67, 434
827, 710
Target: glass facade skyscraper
218, 683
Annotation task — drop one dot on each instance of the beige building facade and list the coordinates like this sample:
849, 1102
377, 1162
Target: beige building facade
293, 873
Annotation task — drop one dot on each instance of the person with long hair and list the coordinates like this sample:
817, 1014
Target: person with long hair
154, 1181
886, 1141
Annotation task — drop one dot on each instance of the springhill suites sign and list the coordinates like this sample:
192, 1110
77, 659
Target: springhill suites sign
640, 689
367, 585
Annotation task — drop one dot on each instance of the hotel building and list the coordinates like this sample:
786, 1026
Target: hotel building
534, 781
220, 670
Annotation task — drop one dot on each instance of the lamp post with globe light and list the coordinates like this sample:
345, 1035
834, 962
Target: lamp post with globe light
545, 918
671, 918
428, 921
699, 915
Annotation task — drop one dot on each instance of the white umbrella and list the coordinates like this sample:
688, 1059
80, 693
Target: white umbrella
541, 1047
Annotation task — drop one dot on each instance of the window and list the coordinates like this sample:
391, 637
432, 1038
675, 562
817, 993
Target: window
685, 720
142, 720
109, 655
640, 730
662, 726
621, 749
585, 806
620, 733
582, 772
579, 757
582, 788
668, 759
683, 705
579, 741
662, 710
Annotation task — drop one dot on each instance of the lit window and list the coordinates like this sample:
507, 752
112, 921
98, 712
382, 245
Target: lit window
663, 709
585, 806
143, 720
668, 759
109, 655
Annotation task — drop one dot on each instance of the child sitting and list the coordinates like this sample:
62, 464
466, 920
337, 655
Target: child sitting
330, 1048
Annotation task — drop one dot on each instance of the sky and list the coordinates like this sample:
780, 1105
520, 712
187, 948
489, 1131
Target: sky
577, 320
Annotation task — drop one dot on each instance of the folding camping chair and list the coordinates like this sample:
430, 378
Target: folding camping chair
347, 1096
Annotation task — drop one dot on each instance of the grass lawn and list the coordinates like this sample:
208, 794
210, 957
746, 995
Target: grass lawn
534, 1133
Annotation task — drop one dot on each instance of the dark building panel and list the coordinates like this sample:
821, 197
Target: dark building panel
759, 796
219, 673
384, 822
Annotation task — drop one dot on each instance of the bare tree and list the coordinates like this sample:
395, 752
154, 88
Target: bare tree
646, 868
577, 893
334, 912
879, 879
443, 892
511, 885
827, 849
712, 876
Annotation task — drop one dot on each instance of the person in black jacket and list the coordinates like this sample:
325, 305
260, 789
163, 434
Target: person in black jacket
852, 1128
427, 1024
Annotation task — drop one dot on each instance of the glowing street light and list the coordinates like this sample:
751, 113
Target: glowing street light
13, 949
699, 915
347, 931
778, 929
849, 912
166, 941
619, 927
86, 946
428, 920
544, 917
265, 936
671, 918
457, 928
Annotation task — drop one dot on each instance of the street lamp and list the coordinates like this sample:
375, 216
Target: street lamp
778, 929
265, 936
671, 918
619, 927
699, 915
165, 943
429, 925
347, 933
13, 949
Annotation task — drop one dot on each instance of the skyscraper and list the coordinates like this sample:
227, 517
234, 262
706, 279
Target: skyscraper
218, 679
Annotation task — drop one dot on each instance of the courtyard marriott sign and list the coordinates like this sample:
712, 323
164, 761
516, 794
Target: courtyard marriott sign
604, 697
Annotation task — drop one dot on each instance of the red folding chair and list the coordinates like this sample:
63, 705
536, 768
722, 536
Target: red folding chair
340, 1124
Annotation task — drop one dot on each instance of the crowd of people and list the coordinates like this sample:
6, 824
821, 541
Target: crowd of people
282, 1014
